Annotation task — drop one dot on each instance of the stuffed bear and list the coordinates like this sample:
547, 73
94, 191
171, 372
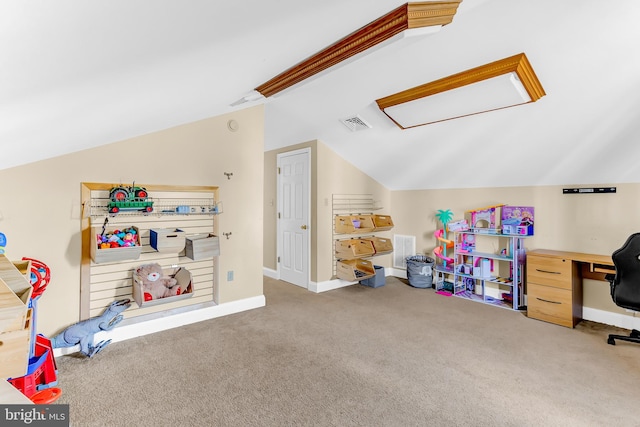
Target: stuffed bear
155, 284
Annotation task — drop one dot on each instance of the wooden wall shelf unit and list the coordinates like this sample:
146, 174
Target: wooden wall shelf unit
353, 215
101, 283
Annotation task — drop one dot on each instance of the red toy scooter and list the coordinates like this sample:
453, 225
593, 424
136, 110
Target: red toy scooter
42, 371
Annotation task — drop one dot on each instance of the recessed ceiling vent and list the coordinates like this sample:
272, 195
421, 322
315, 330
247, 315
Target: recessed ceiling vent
355, 123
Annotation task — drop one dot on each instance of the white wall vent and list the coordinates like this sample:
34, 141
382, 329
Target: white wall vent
403, 247
355, 123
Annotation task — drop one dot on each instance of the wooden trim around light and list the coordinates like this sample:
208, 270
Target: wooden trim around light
517, 63
407, 16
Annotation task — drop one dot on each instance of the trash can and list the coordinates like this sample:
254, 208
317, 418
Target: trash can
377, 280
420, 271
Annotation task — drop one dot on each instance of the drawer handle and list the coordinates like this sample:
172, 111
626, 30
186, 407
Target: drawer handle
547, 271
546, 300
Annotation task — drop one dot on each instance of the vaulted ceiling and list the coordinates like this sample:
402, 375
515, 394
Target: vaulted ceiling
77, 74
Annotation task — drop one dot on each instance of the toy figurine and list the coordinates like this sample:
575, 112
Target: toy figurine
82, 332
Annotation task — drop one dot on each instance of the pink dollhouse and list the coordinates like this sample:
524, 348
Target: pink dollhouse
485, 220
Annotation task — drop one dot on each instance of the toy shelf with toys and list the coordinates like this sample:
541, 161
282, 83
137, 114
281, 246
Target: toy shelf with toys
127, 226
487, 262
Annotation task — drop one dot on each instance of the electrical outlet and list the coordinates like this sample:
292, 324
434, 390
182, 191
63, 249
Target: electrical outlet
230, 276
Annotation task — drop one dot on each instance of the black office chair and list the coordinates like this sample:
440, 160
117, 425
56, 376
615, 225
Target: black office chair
625, 284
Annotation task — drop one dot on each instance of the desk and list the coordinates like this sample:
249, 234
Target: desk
554, 283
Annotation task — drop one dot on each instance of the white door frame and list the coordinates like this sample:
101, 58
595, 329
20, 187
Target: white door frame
306, 151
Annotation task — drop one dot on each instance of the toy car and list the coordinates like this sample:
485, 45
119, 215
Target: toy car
129, 199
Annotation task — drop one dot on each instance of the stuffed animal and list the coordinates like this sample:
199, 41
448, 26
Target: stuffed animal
155, 284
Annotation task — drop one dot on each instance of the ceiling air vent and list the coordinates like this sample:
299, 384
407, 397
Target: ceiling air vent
355, 123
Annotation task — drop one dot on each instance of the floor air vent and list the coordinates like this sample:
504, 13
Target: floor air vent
355, 123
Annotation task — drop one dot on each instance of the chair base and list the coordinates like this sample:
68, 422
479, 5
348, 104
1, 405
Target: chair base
634, 336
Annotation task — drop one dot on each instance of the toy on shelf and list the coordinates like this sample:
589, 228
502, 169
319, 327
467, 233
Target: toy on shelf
445, 216
517, 220
83, 332
132, 198
124, 238
155, 284
41, 377
485, 220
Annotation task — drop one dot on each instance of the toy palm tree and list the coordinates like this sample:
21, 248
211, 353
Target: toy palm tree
444, 216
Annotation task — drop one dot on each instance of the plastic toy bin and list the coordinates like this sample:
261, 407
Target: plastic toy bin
376, 281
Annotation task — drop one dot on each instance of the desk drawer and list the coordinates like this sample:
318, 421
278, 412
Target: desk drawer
550, 271
550, 304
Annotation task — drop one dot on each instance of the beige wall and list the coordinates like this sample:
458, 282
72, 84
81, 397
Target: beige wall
590, 223
337, 176
40, 210
330, 174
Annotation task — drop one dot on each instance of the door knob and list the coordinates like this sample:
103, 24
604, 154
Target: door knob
304, 227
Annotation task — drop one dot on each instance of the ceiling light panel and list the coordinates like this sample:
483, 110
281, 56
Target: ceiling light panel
500, 84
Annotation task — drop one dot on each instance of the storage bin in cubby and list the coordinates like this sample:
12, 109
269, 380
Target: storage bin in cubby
181, 274
100, 256
167, 240
348, 224
354, 248
381, 245
382, 222
202, 246
354, 270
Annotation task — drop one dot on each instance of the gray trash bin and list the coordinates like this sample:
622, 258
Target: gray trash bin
420, 271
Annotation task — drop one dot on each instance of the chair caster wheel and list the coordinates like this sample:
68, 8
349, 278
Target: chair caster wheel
611, 341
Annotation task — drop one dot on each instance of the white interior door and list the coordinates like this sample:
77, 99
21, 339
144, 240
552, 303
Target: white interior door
293, 217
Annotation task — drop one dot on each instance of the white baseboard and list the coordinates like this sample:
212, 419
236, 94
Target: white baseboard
397, 272
125, 332
329, 285
273, 274
609, 318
